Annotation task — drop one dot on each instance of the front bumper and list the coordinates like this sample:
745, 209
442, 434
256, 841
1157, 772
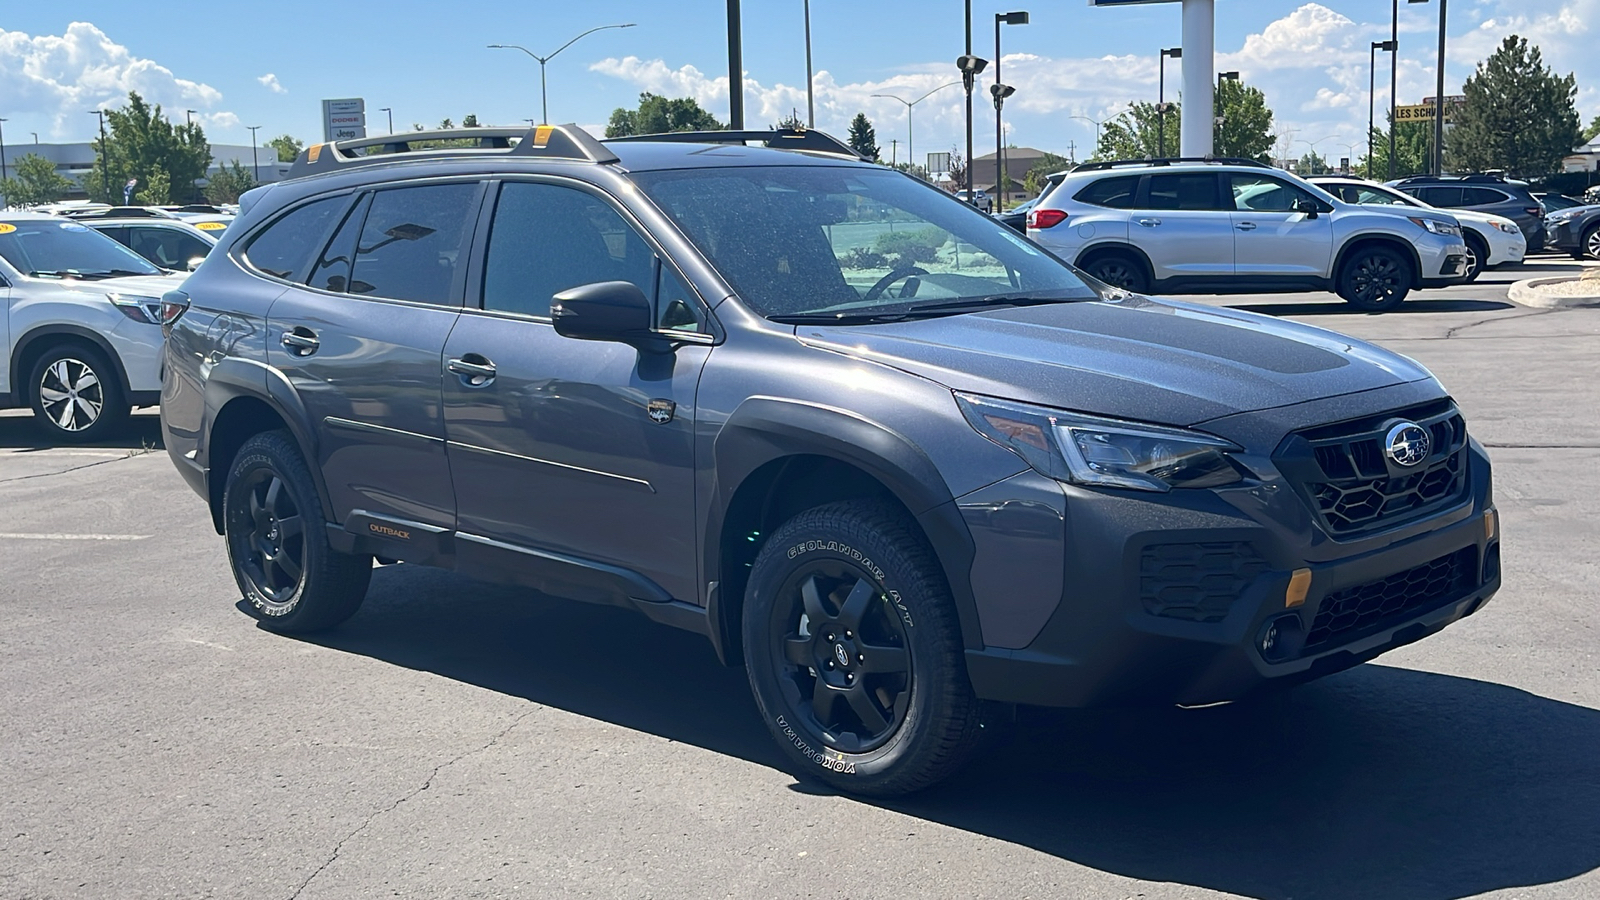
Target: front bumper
1105, 643
1444, 262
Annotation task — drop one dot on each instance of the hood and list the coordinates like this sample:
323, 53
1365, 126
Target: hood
1135, 358
147, 285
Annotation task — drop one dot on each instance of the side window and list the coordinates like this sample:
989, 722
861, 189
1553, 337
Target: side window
676, 309
1263, 193
1116, 193
332, 272
547, 238
1195, 191
286, 246
1441, 196
1477, 196
1368, 195
411, 242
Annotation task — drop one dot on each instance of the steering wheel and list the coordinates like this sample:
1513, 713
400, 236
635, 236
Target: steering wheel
877, 290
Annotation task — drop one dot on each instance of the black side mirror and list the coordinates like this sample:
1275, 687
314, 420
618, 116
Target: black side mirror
1309, 207
603, 311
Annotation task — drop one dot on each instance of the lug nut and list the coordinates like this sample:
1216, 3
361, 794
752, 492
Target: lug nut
848, 635
849, 678
861, 657
829, 664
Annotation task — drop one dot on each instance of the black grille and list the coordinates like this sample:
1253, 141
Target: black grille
1342, 472
1198, 582
1348, 614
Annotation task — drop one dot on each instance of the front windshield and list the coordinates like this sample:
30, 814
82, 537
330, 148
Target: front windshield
1371, 195
44, 248
853, 243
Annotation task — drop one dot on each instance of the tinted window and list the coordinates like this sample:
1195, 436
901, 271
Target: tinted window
1477, 196
1263, 193
1356, 193
332, 272
547, 238
1185, 191
166, 247
412, 242
1440, 196
1116, 193
284, 249
52, 247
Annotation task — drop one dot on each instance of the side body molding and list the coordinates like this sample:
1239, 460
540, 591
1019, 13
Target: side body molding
763, 429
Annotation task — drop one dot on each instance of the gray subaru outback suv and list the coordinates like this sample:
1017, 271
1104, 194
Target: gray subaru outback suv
904, 466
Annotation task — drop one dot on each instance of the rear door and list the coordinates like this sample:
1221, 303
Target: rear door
1270, 237
1181, 224
362, 341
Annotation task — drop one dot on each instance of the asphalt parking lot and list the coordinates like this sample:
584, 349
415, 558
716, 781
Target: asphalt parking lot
458, 740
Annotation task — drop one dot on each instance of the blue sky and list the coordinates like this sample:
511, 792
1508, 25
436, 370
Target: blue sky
429, 61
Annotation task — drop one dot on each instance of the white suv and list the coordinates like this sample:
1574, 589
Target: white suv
1491, 240
80, 320
1235, 226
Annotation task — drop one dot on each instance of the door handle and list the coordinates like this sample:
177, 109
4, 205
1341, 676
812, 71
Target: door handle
301, 341
1246, 226
1148, 223
473, 374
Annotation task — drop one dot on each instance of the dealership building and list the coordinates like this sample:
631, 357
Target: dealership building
74, 161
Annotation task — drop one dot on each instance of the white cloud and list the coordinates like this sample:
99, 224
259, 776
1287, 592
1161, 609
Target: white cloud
60, 76
270, 82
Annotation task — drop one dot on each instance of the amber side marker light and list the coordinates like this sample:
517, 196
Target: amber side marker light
1491, 525
1299, 586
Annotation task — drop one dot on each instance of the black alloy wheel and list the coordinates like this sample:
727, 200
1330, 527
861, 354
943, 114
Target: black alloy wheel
275, 563
848, 673
1119, 271
1376, 280
1477, 257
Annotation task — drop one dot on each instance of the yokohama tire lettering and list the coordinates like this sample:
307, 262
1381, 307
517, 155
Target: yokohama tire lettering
837, 764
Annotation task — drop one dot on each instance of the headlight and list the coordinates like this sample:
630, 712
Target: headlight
1436, 226
1506, 225
1558, 220
138, 308
1104, 452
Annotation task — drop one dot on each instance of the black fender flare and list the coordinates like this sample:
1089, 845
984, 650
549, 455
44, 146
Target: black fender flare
764, 429
236, 377
42, 334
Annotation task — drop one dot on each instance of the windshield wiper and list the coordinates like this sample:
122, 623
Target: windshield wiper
954, 307
839, 318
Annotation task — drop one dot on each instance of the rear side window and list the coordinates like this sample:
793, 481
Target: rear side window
1440, 196
413, 241
333, 268
1183, 191
1477, 196
1116, 193
286, 246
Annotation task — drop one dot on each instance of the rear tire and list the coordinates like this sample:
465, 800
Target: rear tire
294, 581
1119, 270
855, 654
1376, 279
77, 395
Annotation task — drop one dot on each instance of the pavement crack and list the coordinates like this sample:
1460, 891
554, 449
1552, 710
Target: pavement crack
426, 783
1450, 333
99, 462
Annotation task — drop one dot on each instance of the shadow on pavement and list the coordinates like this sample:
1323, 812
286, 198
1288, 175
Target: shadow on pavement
1379, 782
1336, 307
143, 431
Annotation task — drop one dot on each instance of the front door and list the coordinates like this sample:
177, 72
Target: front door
1271, 237
1181, 225
362, 344
573, 452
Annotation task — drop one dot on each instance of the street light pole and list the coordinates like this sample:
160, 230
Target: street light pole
1001, 91
105, 163
1315, 159
255, 161
1161, 100
1372, 90
735, 69
1096, 124
390, 111
3, 150
911, 148
811, 102
1438, 98
544, 97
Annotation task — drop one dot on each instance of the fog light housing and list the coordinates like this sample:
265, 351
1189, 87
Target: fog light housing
1491, 562
1281, 639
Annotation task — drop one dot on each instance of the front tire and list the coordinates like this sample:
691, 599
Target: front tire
1590, 246
1477, 257
854, 652
294, 581
1376, 279
77, 395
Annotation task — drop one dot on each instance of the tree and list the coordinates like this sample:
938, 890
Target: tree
659, 115
1593, 131
1135, 134
36, 181
229, 183
791, 122
958, 172
1518, 116
156, 190
141, 142
1312, 164
863, 137
1413, 152
1245, 131
287, 146
1034, 182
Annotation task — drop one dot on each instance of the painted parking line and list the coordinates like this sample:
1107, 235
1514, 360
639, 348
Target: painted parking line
62, 536
52, 452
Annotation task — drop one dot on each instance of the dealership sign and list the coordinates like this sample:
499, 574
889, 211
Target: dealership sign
344, 120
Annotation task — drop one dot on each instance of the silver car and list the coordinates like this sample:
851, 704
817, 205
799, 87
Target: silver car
1239, 227
176, 246
81, 325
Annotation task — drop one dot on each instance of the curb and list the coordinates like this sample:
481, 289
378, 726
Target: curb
1527, 293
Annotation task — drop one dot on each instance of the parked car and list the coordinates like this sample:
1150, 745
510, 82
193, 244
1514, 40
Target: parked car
1554, 203
980, 199
1238, 226
1482, 193
170, 244
903, 490
1576, 231
1491, 240
1016, 218
80, 326
115, 212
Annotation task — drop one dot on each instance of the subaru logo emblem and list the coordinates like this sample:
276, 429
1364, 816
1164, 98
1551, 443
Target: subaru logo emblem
1407, 444
842, 655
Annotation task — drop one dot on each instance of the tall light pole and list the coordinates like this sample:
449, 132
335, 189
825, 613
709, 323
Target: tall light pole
1438, 98
811, 101
544, 97
970, 66
1161, 99
1096, 123
105, 162
1000, 92
390, 111
1315, 159
255, 161
1394, 76
188, 117
3, 149
911, 148
735, 69
1372, 94
1350, 149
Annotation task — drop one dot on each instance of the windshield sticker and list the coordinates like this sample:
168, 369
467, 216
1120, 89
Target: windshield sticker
73, 226
7, 228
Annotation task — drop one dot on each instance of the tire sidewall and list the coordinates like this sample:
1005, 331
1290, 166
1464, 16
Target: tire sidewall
257, 455
113, 409
1480, 251
1347, 286
1140, 281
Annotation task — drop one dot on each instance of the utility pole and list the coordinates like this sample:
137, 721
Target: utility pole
894, 151
1072, 151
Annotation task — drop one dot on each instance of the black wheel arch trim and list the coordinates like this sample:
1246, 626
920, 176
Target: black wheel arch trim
1359, 240
1118, 247
41, 335
234, 378
765, 429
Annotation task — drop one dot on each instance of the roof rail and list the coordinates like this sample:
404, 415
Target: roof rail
1167, 161
1480, 178
781, 138
544, 141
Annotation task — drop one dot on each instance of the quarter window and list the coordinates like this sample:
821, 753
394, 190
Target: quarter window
1116, 193
412, 242
1441, 196
1477, 196
285, 247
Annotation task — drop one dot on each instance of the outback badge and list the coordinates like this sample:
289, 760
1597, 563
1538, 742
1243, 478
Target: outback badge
661, 411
